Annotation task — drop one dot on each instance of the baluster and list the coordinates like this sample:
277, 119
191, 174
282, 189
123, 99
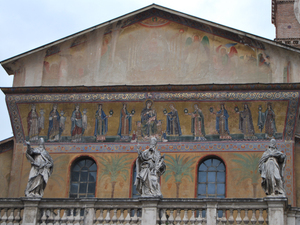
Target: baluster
114, 219
163, 218
63, 220
77, 217
178, 218
260, 218
253, 217
57, 218
107, 218
17, 217
121, 217
4, 217
185, 218
70, 217
192, 219
246, 218
134, 219
231, 219
100, 219
266, 219
199, 218
238, 218
171, 217
127, 218
10, 219
224, 219
50, 217
43, 218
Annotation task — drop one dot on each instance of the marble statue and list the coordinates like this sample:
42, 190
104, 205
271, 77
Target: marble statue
41, 169
150, 166
271, 167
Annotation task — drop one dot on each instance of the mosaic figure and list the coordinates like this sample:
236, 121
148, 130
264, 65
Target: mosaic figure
148, 120
41, 120
33, 124
41, 169
150, 166
270, 125
101, 124
271, 167
54, 125
173, 124
222, 122
260, 119
197, 126
77, 129
62, 122
246, 123
125, 123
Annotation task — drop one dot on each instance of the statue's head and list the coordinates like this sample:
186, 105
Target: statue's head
153, 142
41, 141
273, 143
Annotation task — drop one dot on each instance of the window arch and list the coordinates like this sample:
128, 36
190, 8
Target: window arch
211, 178
83, 178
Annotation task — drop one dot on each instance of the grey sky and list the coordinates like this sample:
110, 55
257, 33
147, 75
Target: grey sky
29, 24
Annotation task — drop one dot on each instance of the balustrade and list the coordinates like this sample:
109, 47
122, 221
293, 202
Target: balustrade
93, 211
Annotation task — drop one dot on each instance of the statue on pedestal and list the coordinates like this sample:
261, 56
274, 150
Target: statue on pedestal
41, 169
150, 166
271, 167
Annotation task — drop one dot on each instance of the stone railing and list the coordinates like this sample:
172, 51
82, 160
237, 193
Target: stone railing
147, 211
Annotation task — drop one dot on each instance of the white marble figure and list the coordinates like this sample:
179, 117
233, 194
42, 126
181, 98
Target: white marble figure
271, 167
41, 169
150, 166
84, 119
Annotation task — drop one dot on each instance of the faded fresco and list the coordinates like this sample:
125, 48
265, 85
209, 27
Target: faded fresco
5, 168
155, 50
167, 121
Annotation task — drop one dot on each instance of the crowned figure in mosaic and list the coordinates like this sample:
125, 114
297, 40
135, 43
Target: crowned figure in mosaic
271, 167
41, 169
150, 166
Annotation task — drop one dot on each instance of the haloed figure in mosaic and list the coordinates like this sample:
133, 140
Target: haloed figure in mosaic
54, 124
125, 123
197, 127
271, 167
150, 166
41, 169
33, 127
76, 129
101, 124
270, 125
173, 124
246, 123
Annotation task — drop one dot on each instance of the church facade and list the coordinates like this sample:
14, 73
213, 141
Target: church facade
212, 96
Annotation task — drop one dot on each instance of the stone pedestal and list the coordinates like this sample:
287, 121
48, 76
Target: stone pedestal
30, 215
150, 214
276, 208
211, 214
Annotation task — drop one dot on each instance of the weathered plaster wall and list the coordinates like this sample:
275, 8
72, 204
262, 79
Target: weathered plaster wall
5, 168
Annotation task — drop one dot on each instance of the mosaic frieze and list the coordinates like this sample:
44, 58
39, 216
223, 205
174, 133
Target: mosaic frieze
171, 117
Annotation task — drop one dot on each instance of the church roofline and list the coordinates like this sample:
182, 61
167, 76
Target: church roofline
153, 6
150, 88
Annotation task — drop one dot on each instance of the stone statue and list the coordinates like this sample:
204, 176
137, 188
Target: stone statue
271, 167
150, 166
41, 169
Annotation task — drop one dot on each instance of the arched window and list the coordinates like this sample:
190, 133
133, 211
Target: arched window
83, 178
211, 179
134, 193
